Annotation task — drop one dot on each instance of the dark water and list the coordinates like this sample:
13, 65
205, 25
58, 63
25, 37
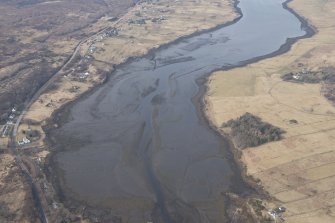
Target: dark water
138, 141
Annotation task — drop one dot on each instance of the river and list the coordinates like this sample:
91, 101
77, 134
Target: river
139, 146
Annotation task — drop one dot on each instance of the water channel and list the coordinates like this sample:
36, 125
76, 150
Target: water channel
139, 146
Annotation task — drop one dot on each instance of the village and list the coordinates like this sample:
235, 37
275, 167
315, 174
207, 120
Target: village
80, 70
324, 76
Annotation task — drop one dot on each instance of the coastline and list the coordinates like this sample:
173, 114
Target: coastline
58, 117
205, 111
259, 163
67, 106
202, 107
200, 97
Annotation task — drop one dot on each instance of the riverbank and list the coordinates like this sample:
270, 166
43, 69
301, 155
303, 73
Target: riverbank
167, 81
98, 57
146, 26
296, 171
70, 86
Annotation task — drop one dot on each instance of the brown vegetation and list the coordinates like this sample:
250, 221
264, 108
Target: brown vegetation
16, 202
37, 37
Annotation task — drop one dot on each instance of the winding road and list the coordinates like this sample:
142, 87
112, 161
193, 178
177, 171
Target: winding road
13, 146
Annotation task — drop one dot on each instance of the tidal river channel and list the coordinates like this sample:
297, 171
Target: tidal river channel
139, 146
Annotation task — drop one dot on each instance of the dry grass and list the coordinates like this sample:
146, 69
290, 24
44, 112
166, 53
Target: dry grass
135, 40
14, 195
299, 170
37, 36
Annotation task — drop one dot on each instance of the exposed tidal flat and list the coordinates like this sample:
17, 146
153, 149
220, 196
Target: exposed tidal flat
138, 144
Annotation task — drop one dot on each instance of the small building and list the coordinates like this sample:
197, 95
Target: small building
55, 205
83, 76
277, 212
24, 141
297, 76
281, 209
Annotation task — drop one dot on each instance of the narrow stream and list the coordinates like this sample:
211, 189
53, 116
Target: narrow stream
137, 145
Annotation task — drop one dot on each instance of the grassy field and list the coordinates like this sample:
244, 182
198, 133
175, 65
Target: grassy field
298, 171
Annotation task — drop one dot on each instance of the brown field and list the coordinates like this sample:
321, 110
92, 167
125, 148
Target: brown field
298, 171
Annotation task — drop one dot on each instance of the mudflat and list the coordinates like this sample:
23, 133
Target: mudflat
108, 39
139, 146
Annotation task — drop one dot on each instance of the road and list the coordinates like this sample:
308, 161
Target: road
13, 142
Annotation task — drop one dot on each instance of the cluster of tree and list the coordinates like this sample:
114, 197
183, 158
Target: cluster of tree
329, 92
32, 134
250, 131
